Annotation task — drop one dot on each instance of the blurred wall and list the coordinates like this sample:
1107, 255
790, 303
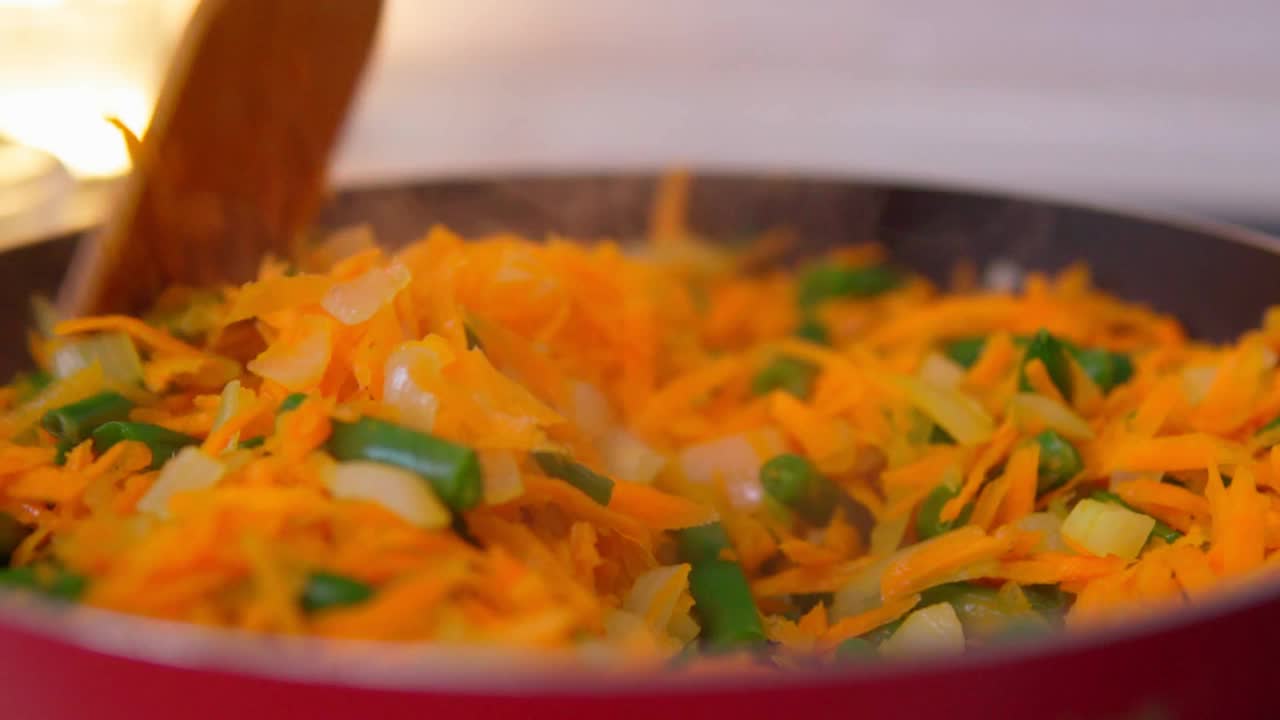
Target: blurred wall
1168, 103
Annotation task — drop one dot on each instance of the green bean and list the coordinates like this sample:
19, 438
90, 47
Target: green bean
794, 482
1159, 530
1107, 369
1049, 350
253, 442
1049, 601
929, 522
965, 351
826, 282
67, 586
453, 470
324, 590
1059, 461
703, 542
291, 402
19, 577
60, 584
882, 633
939, 436
785, 373
814, 331
12, 533
724, 606
163, 442
558, 465
77, 421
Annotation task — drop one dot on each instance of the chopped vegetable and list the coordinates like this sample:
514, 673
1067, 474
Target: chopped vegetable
1059, 461
1049, 350
453, 470
1107, 529
703, 542
826, 282
75, 422
113, 352
163, 442
794, 481
596, 486
12, 533
965, 351
856, 649
292, 402
932, 630
787, 374
325, 591
401, 491
190, 469
1160, 530
724, 606
814, 331
928, 522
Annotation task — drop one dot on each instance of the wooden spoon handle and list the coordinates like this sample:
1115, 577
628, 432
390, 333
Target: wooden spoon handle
233, 166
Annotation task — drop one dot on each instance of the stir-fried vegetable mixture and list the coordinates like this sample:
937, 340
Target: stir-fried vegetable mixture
657, 448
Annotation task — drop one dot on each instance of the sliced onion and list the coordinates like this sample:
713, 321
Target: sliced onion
356, 300
298, 358
1196, 382
397, 490
628, 457
1107, 529
934, 630
114, 351
655, 593
960, 415
235, 398
862, 592
189, 470
940, 370
1033, 411
401, 388
501, 475
735, 459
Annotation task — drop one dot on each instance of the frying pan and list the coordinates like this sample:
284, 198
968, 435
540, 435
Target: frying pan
1214, 660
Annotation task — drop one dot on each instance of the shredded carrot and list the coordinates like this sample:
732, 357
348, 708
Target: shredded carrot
863, 623
991, 454
936, 560
157, 339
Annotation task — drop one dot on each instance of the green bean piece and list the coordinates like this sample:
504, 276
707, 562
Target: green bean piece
795, 483
559, 465
965, 351
1107, 369
473, 340
324, 590
28, 384
788, 477
75, 422
1122, 368
1059, 461
1160, 530
1049, 601
929, 522
19, 577
1049, 350
856, 649
253, 442
61, 448
163, 442
291, 402
826, 282
12, 533
785, 373
814, 331
67, 586
703, 542
453, 470
724, 606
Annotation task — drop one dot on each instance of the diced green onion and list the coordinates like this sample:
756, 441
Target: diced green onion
826, 282
12, 533
814, 331
1059, 461
163, 442
856, 649
1161, 530
785, 373
965, 351
324, 590
928, 520
703, 542
292, 402
559, 465
723, 604
75, 422
453, 470
1049, 350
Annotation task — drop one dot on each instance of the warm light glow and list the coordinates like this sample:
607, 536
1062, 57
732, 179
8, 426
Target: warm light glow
70, 123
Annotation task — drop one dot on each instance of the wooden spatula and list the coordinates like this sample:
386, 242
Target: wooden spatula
233, 165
